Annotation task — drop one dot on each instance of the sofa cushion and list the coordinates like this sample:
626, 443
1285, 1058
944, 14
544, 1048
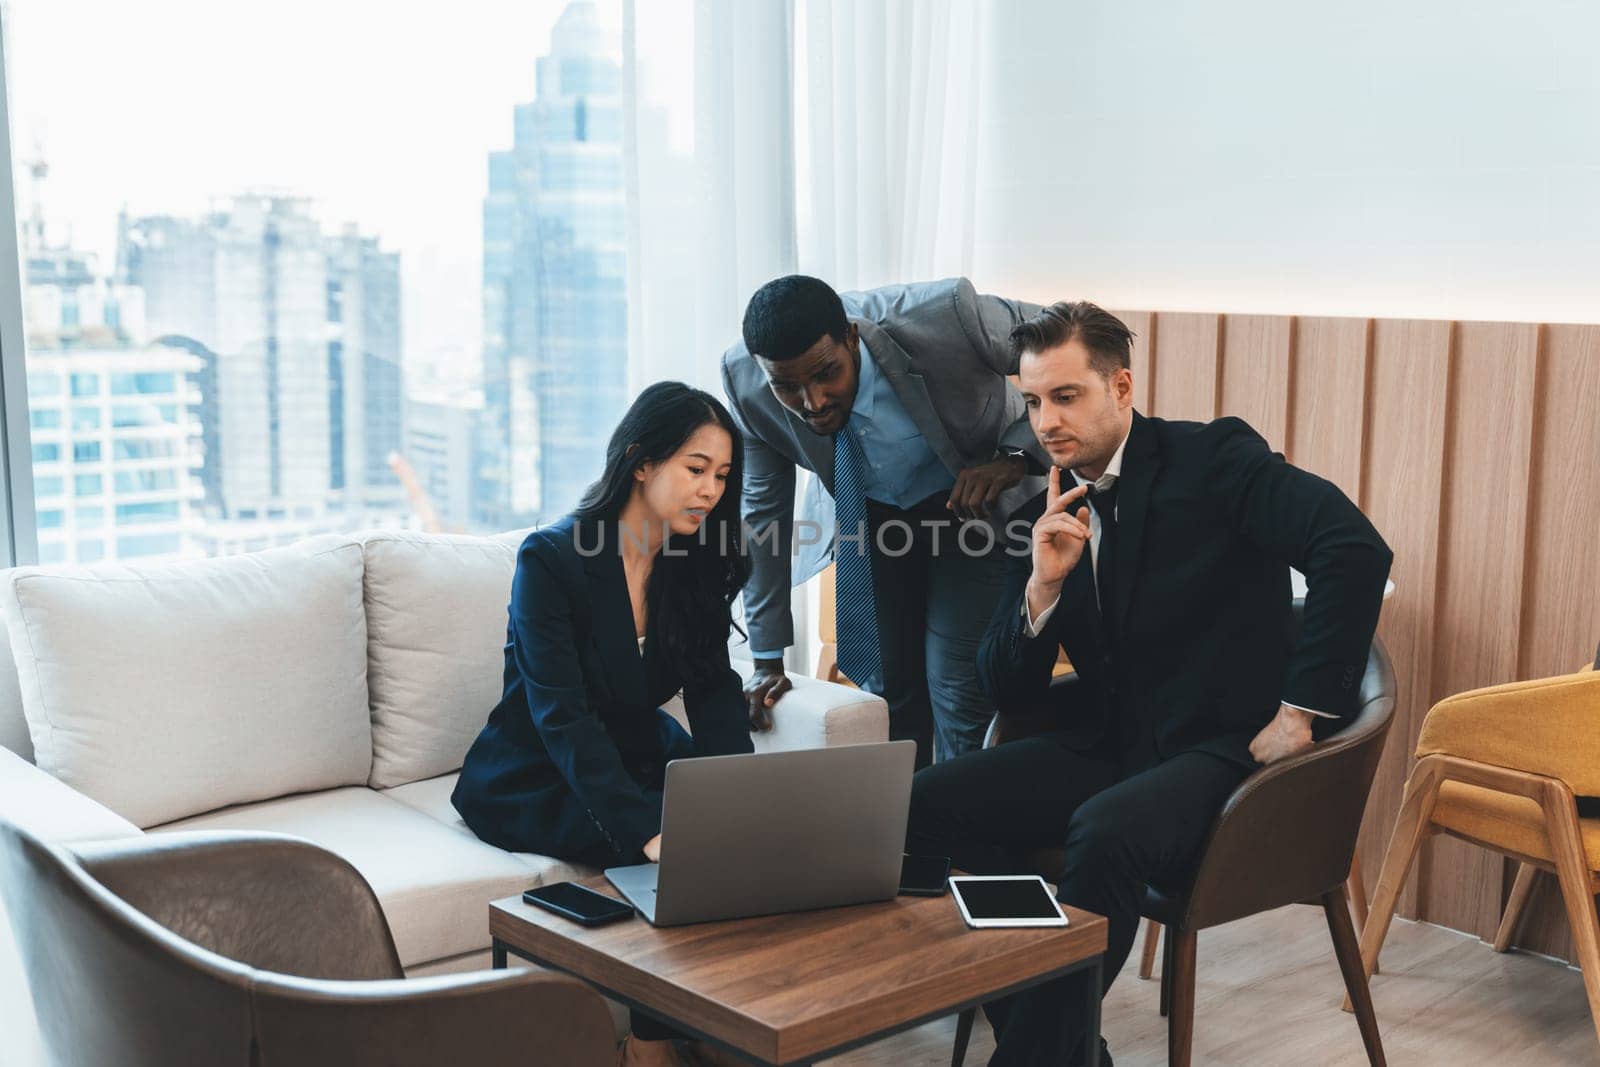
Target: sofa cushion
436, 634
434, 883
13, 723
163, 690
432, 798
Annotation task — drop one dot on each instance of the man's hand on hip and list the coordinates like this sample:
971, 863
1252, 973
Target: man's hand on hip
1287, 734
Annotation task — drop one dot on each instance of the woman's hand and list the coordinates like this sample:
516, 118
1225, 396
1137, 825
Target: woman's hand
652, 849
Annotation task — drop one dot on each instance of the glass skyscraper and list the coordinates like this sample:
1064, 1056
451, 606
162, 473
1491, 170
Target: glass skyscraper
298, 335
555, 285
114, 423
116, 445
365, 397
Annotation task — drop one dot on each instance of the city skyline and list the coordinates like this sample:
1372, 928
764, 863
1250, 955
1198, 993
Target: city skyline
286, 329
236, 383
400, 156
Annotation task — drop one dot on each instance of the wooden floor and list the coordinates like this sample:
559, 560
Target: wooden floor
1269, 993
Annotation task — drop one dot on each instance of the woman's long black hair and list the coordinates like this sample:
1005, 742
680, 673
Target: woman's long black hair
695, 580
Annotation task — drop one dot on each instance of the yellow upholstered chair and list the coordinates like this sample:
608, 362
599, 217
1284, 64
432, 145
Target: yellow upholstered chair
1501, 768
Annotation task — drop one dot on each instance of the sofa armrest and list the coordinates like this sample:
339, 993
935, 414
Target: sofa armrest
51, 810
818, 714
814, 714
1548, 726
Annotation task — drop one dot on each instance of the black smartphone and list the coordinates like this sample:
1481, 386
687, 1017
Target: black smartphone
573, 901
924, 876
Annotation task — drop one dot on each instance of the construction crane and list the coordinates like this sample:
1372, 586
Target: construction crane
33, 231
421, 505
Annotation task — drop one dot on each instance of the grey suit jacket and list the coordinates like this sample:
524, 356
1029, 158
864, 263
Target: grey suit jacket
945, 350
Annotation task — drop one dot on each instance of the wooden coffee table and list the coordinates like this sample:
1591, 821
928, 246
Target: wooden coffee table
791, 989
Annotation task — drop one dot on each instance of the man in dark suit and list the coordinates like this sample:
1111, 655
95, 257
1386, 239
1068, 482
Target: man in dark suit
897, 400
1164, 574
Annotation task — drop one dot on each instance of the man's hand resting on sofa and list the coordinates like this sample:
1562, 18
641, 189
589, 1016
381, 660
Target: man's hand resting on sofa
1289, 732
765, 686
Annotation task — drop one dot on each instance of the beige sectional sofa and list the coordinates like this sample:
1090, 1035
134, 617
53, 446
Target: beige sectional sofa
328, 690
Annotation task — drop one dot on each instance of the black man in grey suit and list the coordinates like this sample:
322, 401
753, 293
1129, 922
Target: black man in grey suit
897, 399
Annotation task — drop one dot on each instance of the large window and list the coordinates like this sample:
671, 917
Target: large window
318, 268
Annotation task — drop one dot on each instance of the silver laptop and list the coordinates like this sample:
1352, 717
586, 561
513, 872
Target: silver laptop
774, 832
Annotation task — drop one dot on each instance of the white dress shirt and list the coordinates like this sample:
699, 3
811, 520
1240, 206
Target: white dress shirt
1113, 471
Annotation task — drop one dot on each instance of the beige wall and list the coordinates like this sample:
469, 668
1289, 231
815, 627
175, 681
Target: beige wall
1475, 449
1434, 158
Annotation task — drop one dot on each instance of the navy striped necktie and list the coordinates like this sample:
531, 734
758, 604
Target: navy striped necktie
855, 607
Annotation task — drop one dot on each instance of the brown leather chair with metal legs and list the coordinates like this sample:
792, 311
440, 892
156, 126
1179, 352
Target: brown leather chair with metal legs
1287, 835
257, 950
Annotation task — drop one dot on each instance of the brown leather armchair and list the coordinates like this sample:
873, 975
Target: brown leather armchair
257, 950
1287, 835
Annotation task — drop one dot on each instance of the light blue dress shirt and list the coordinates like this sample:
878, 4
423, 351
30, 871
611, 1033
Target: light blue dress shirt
902, 468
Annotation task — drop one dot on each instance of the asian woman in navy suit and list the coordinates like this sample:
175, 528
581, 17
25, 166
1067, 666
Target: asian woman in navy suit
614, 609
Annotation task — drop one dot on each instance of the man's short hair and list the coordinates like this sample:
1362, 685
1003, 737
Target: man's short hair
788, 315
1107, 337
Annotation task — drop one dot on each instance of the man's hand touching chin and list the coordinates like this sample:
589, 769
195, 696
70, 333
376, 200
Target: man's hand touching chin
1288, 733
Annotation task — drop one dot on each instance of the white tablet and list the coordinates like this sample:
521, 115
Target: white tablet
1006, 900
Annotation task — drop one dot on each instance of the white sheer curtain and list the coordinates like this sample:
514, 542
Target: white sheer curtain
709, 164
886, 107
708, 128
761, 137
836, 137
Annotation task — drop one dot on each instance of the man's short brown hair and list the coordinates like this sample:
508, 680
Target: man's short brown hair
1106, 337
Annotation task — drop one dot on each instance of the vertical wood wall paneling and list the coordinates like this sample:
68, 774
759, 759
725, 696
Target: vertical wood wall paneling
1257, 373
1186, 366
1473, 447
1561, 583
1478, 608
1561, 611
1143, 325
1404, 465
1328, 406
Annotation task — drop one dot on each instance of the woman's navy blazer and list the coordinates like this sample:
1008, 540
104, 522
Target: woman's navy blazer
572, 760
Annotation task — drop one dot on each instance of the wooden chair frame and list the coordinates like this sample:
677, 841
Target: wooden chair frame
1355, 889
1415, 824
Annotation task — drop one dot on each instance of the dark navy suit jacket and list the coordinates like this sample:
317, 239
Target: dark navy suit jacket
572, 760
1197, 648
